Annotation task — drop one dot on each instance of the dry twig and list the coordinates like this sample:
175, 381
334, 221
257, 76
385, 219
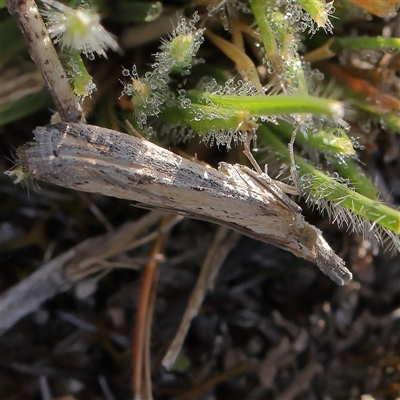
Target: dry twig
45, 57
223, 243
60, 274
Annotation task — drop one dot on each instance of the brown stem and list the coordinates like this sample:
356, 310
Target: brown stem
45, 57
141, 345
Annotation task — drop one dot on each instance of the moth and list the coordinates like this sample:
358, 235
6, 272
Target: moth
99, 160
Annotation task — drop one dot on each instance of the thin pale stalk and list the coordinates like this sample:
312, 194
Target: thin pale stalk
223, 242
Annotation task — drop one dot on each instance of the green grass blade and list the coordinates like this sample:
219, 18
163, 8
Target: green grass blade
320, 186
279, 105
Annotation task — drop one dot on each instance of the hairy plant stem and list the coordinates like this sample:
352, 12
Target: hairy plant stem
322, 186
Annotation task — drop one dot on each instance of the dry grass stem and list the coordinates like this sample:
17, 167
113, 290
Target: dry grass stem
44, 55
223, 242
141, 381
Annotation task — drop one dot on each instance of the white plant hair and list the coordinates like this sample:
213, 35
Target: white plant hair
79, 29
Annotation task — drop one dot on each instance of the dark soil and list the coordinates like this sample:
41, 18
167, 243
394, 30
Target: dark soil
274, 327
